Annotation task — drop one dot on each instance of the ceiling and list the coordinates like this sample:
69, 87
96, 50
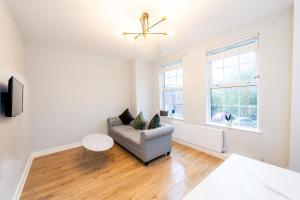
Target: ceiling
94, 25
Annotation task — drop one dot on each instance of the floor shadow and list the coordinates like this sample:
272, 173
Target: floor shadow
138, 159
90, 161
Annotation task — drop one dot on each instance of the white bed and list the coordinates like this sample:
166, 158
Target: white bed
241, 178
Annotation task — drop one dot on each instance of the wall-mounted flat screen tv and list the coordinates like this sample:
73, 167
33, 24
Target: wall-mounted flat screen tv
14, 98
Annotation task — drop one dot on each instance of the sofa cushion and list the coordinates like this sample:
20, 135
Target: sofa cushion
124, 130
121, 128
135, 140
139, 122
126, 117
114, 121
155, 122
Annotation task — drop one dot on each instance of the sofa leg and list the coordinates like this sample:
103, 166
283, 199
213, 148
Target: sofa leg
146, 163
169, 153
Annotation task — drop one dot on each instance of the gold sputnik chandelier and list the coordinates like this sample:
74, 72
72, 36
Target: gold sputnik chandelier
144, 19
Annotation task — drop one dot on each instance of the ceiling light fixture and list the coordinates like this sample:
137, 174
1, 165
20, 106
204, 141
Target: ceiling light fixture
144, 20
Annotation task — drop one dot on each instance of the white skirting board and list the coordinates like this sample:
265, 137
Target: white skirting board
36, 154
55, 149
22, 179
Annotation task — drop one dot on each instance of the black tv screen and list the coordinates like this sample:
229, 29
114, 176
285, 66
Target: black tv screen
15, 97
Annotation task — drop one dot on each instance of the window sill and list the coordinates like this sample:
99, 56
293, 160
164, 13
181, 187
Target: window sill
172, 117
248, 129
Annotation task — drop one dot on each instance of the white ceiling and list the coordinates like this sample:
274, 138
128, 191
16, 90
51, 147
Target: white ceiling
91, 25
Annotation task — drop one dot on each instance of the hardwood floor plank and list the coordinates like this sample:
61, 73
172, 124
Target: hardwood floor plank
71, 175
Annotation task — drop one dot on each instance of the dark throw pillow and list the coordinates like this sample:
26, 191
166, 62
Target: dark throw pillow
126, 117
155, 122
139, 122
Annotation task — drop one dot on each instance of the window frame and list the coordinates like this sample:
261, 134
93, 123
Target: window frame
162, 87
210, 86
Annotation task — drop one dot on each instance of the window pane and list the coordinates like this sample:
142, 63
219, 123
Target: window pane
217, 64
231, 100
217, 76
173, 73
247, 72
248, 95
217, 114
179, 81
173, 103
173, 81
178, 111
241, 102
249, 111
248, 57
248, 116
231, 96
217, 97
230, 61
233, 110
179, 72
231, 74
167, 82
167, 74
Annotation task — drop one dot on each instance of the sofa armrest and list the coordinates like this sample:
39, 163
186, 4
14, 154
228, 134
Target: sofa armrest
114, 121
156, 133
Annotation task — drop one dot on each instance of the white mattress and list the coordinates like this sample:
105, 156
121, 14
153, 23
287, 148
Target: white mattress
241, 178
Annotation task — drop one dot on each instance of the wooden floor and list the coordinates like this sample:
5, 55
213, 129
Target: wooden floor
70, 175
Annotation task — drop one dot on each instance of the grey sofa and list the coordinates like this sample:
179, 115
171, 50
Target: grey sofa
145, 144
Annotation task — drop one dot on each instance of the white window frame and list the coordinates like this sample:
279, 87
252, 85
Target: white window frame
210, 86
162, 89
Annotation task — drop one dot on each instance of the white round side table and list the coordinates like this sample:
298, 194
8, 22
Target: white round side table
97, 142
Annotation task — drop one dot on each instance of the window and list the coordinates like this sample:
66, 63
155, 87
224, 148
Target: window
233, 82
171, 89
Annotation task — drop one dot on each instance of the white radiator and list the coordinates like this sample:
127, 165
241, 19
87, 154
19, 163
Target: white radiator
207, 137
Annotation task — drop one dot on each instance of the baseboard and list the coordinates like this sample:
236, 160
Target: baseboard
22, 179
55, 149
222, 156
36, 154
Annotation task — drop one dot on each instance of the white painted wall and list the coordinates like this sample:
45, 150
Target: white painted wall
133, 90
275, 52
73, 94
142, 88
14, 137
295, 114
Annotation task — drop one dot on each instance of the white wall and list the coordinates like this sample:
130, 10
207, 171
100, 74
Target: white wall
73, 94
14, 138
274, 90
295, 115
133, 89
142, 88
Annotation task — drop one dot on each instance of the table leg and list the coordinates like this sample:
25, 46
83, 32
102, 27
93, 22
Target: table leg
83, 151
112, 154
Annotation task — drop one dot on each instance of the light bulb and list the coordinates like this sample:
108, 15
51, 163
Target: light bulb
171, 33
118, 33
131, 40
138, 13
